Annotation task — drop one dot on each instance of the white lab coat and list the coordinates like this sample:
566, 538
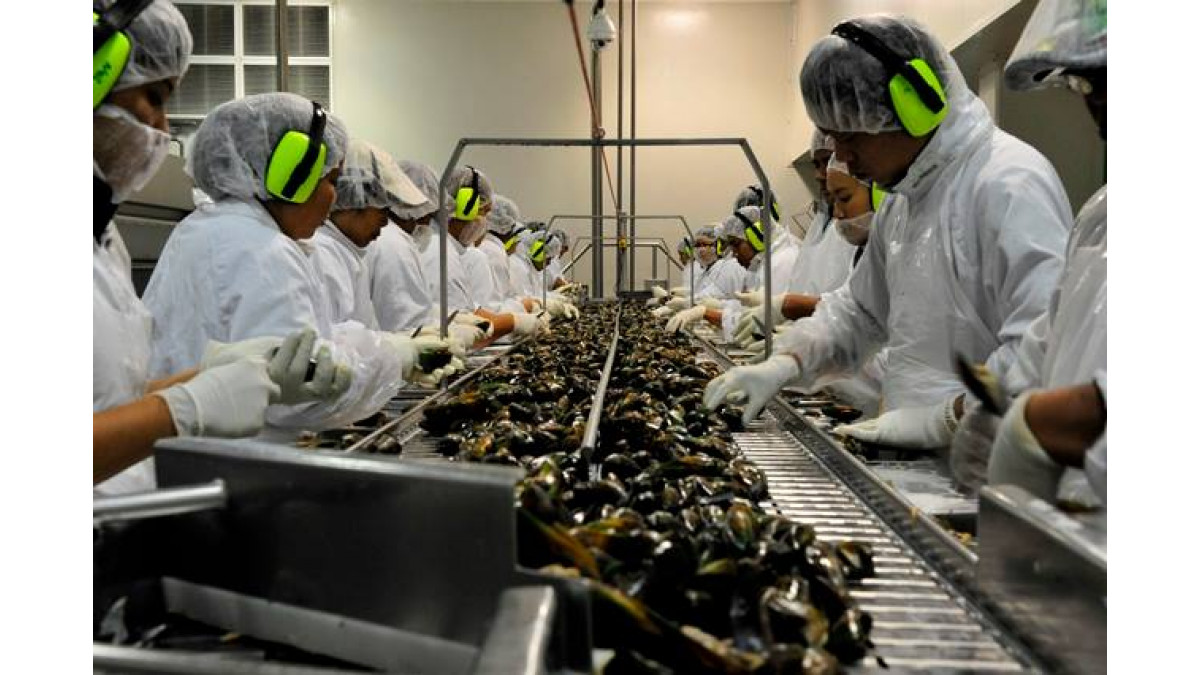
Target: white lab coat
526, 281
344, 274
962, 258
1068, 344
721, 279
824, 260
497, 259
554, 270
121, 348
458, 286
228, 273
481, 283
399, 290
784, 252
692, 267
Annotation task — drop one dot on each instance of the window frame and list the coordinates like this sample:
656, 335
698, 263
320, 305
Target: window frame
239, 59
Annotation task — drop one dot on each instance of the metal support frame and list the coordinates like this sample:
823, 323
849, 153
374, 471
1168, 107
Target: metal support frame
281, 45
657, 243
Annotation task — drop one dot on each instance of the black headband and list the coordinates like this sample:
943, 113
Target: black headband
316, 137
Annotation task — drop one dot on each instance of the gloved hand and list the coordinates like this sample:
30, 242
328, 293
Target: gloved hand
228, 400
410, 350
220, 353
663, 312
710, 302
929, 426
753, 321
432, 379
569, 287
289, 369
972, 446
757, 383
474, 321
660, 292
925, 427
530, 324
679, 303
1018, 459
750, 298
679, 291
686, 318
561, 308
464, 336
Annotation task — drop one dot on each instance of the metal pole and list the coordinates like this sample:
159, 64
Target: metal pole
597, 188
281, 46
768, 199
165, 502
620, 205
632, 210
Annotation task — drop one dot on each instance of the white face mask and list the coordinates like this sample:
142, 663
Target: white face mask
855, 230
422, 234
125, 153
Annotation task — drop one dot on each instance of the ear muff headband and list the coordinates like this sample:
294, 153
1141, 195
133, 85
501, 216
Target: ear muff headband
754, 232
466, 200
774, 204
878, 194
296, 162
917, 95
111, 47
512, 238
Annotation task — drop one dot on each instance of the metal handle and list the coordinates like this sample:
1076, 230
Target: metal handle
166, 502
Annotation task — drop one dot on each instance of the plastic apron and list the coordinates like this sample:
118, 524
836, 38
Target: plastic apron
121, 330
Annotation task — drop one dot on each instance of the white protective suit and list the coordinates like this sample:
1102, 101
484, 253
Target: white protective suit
825, 258
1068, 344
481, 283
962, 258
458, 285
121, 348
721, 279
784, 252
343, 272
228, 273
399, 290
497, 260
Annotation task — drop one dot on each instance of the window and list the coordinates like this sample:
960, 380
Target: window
234, 55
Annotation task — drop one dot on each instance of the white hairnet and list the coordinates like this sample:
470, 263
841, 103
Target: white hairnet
162, 45
231, 148
553, 246
461, 178
561, 236
709, 231
845, 88
536, 225
837, 165
427, 182
372, 179
821, 141
734, 228
504, 215
1059, 34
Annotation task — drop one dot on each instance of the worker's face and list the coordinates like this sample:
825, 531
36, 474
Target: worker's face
408, 225
743, 251
361, 226
706, 250
883, 157
300, 221
147, 102
850, 198
820, 162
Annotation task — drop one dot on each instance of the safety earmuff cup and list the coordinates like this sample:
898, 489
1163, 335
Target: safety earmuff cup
774, 204
295, 166
720, 248
917, 96
466, 201
111, 47
878, 194
754, 233
537, 251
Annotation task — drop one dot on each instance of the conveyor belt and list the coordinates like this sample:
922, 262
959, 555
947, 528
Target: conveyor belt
920, 624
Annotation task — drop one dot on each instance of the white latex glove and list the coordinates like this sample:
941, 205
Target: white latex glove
464, 336
474, 321
926, 427
569, 287
220, 353
289, 368
756, 383
679, 303
410, 349
972, 446
679, 291
751, 298
710, 302
754, 320
660, 292
1018, 459
686, 318
432, 379
561, 308
229, 400
530, 324
663, 312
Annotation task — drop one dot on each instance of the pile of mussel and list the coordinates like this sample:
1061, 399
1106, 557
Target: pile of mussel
688, 572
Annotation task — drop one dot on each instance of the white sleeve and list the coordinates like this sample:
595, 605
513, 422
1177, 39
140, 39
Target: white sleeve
398, 289
335, 278
849, 325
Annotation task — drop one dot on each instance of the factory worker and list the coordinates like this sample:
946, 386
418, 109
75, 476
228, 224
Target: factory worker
687, 254
369, 185
962, 255
502, 221
850, 201
554, 269
229, 395
1061, 371
399, 289
242, 268
481, 281
823, 263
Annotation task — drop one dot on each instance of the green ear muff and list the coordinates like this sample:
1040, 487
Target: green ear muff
466, 200
111, 47
720, 248
754, 233
511, 241
916, 93
537, 252
294, 168
878, 194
